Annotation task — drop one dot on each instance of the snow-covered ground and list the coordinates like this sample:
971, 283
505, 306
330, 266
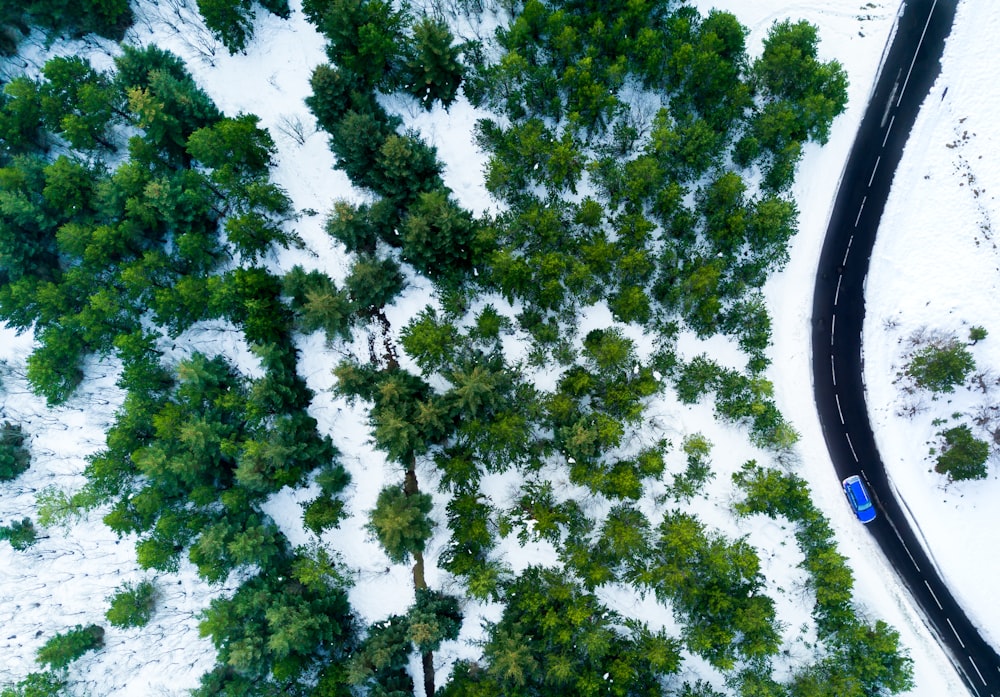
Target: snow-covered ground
60, 581
936, 267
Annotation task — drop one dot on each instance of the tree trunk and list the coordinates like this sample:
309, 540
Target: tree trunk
411, 487
428, 661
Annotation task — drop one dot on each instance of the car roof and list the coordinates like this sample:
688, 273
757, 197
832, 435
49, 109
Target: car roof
857, 489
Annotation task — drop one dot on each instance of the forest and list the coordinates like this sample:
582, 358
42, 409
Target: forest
641, 161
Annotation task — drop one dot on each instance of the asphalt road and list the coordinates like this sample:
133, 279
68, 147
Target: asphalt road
910, 66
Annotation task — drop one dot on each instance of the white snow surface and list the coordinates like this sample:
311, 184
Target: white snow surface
936, 268
935, 221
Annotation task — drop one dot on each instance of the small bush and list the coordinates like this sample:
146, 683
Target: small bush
132, 605
942, 365
963, 456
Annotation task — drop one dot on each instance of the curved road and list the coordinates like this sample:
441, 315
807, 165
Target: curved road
910, 66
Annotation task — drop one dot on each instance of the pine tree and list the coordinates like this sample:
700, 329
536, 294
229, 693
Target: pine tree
78, 102
14, 457
438, 236
434, 617
941, 365
401, 523
405, 166
373, 282
963, 456
20, 533
62, 649
230, 22
132, 604
47, 684
433, 72
21, 123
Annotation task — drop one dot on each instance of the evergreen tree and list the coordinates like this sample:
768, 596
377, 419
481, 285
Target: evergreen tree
438, 236
432, 69
788, 69
405, 166
555, 638
366, 38
941, 365
434, 617
27, 224
77, 102
356, 141
318, 303
963, 456
132, 605
230, 22
47, 684
14, 456
373, 282
62, 649
400, 522
21, 123
20, 533
54, 366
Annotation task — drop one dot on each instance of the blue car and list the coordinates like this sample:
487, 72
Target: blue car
857, 496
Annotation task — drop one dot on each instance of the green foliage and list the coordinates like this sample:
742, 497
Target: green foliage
108, 18
774, 493
62, 649
27, 223
326, 510
356, 141
132, 605
624, 541
432, 70
555, 638
716, 590
14, 456
333, 94
941, 365
285, 623
359, 228
230, 22
164, 99
788, 69
365, 38
804, 97
318, 303
54, 366
401, 523
47, 684
382, 660
323, 513
21, 130
962, 456
432, 341
405, 167
977, 334
434, 617
866, 660
77, 102
698, 449
438, 236
233, 147
373, 282
56, 508
20, 533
